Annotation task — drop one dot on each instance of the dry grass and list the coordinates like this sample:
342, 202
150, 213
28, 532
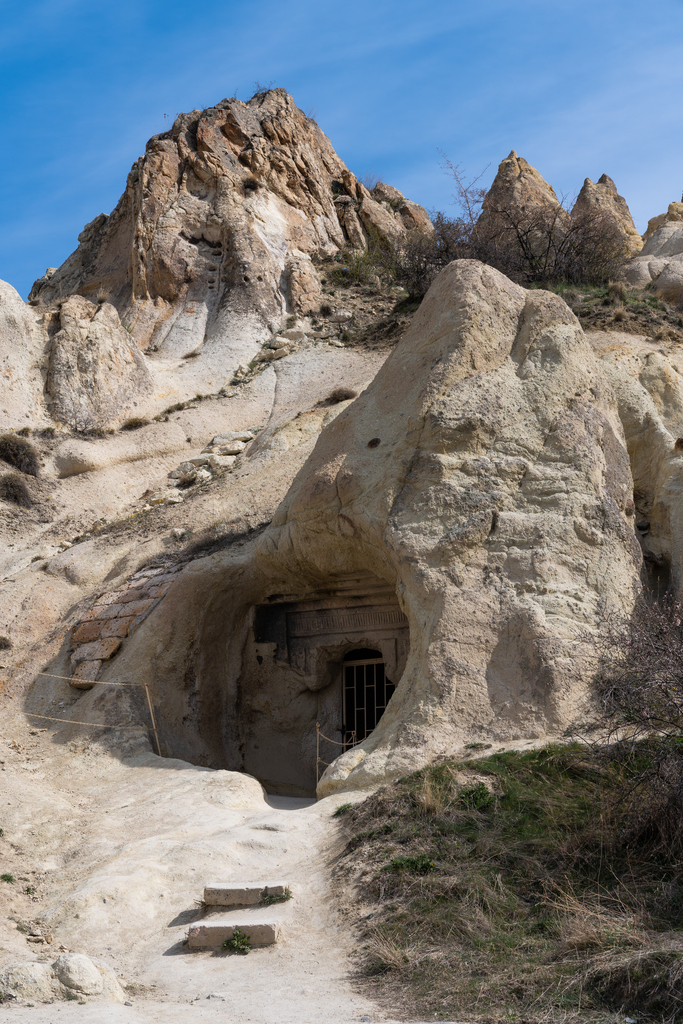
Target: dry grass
20, 453
13, 489
531, 910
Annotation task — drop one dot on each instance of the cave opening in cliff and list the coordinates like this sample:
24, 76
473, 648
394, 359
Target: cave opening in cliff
331, 658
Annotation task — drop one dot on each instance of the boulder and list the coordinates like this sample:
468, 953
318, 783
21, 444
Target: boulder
673, 214
648, 385
96, 372
71, 976
661, 258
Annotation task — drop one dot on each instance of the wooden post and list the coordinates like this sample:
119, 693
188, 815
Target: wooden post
154, 721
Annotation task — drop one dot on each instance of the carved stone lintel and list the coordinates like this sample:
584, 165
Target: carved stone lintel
344, 620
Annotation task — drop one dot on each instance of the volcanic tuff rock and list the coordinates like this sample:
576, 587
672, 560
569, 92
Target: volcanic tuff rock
602, 198
647, 379
211, 243
673, 214
520, 189
95, 368
496, 497
661, 258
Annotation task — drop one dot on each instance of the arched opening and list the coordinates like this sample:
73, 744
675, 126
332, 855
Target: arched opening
366, 691
317, 672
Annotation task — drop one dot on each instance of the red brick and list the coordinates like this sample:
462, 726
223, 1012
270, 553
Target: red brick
96, 613
87, 631
131, 595
99, 650
85, 674
136, 607
116, 627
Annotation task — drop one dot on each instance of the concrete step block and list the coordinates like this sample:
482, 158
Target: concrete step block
214, 932
240, 894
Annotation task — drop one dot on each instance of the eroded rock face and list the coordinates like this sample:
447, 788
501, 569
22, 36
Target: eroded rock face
483, 477
95, 368
647, 379
602, 199
23, 362
673, 215
213, 237
519, 189
661, 260
497, 499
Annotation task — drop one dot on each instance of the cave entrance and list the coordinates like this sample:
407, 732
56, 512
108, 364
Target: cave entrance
331, 656
366, 691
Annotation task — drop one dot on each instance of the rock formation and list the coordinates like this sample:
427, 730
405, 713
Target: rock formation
521, 203
673, 215
517, 187
495, 500
660, 261
209, 247
602, 199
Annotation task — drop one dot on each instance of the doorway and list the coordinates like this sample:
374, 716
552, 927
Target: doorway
366, 691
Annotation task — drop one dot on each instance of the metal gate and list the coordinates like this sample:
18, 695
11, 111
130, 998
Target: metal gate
366, 693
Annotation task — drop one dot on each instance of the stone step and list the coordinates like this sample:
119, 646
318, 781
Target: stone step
240, 894
215, 931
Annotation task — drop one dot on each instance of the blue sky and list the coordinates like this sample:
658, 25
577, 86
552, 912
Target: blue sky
578, 88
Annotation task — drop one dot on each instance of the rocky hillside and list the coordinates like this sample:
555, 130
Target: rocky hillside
212, 245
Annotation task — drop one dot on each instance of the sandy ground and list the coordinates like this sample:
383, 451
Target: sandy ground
110, 848
118, 850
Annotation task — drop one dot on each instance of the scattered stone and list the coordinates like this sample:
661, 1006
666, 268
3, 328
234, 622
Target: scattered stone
185, 469
221, 461
235, 435
165, 498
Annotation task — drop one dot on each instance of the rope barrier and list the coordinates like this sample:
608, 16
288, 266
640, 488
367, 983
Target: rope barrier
100, 682
96, 725
318, 759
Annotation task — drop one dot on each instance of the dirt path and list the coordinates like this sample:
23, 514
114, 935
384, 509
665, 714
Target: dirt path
119, 851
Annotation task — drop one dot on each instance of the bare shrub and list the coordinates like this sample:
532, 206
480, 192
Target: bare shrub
134, 423
13, 488
545, 245
20, 453
339, 395
538, 245
5, 643
639, 694
251, 184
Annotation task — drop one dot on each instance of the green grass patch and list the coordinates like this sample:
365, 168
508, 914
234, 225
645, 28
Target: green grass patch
500, 888
239, 943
